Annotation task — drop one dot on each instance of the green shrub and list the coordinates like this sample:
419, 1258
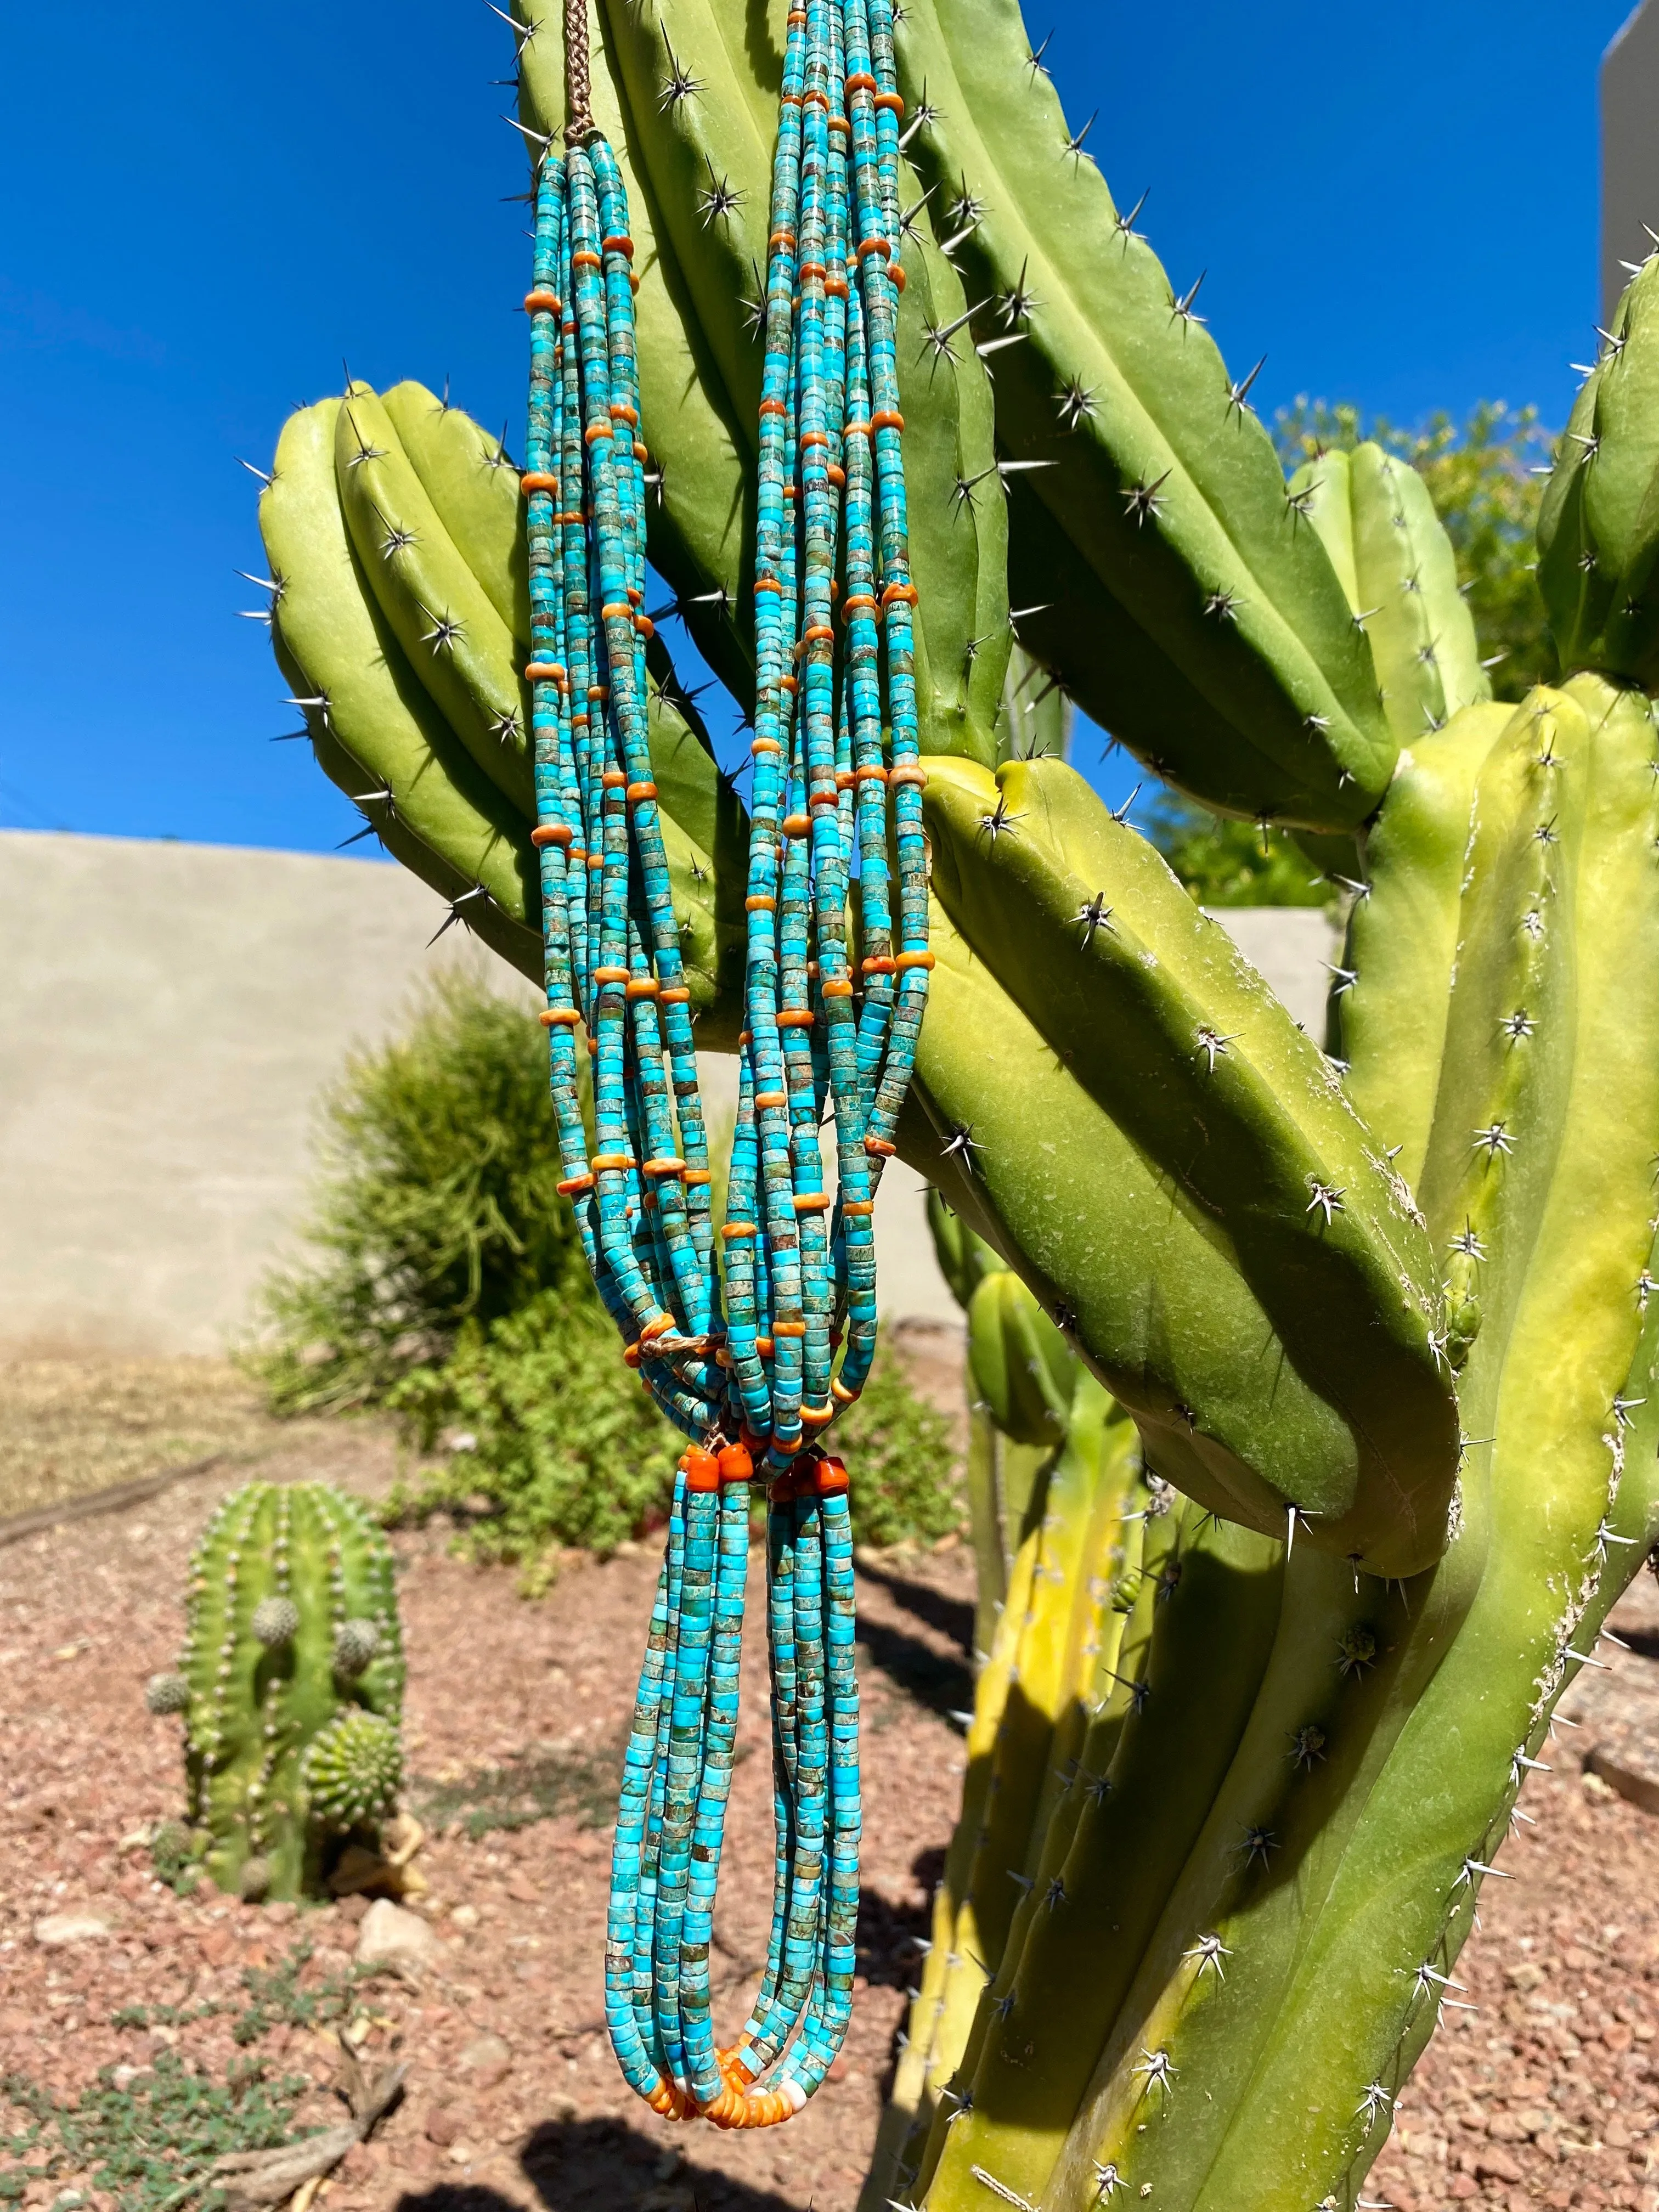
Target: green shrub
906, 1485
437, 1205
449, 1287
559, 1444
553, 1431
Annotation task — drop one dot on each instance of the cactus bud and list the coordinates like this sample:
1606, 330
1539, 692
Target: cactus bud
355, 1643
171, 1848
352, 1768
276, 1620
168, 1693
253, 1880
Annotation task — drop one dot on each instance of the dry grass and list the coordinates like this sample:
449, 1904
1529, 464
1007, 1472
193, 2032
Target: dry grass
74, 1425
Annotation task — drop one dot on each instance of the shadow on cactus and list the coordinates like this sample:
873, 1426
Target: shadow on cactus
1242, 1757
290, 1686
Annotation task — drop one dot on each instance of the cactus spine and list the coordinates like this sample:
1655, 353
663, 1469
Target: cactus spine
291, 1684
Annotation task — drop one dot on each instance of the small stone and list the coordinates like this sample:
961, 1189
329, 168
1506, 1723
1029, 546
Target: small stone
1464, 2185
487, 2058
393, 1937
352, 1909
444, 2126
61, 1928
280, 1914
1616, 2036
464, 1916
1525, 1975
461, 2154
1497, 2165
522, 1890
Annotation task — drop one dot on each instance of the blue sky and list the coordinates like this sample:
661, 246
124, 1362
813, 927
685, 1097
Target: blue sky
1395, 205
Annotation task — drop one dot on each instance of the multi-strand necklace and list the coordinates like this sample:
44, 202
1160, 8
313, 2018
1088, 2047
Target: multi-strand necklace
751, 1341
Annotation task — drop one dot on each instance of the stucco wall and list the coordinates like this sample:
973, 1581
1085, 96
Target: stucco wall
1630, 150
168, 1014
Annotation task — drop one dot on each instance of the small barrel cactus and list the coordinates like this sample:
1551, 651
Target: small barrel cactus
291, 1684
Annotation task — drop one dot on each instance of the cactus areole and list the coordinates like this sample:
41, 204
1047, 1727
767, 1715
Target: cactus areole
752, 1359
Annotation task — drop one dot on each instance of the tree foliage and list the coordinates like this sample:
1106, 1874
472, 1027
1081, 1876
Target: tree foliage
1227, 863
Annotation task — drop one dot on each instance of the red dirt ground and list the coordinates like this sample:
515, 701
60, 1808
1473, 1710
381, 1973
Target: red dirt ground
1547, 2094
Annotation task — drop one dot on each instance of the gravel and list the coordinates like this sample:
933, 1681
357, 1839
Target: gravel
1547, 2094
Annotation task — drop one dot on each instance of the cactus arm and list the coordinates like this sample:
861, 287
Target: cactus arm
468, 477
1256, 1130
1380, 1840
1399, 569
1403, 935
1095, 1636
986, 1526
1093, 1224
447, 821
1325, 488
380, 732
450, 632
1153, 1537
1041, 1684
1423, 642
1598, 530
1561, 1458
1014, 1355
1080, 1955
912, 2094
1168, 487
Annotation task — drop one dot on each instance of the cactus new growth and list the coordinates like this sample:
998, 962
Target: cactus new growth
1276, 1650
290, 1686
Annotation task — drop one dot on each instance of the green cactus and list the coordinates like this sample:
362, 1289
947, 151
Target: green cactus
1143, 452
1093, 1539
1240, 1759
290, 1685
1429, 1699
1598, 535
1396, 562
1001, 1471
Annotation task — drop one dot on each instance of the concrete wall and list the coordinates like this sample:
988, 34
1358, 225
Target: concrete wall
168, 1014
1630, 149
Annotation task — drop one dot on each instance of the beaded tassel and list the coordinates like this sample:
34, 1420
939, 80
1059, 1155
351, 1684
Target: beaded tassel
749, 1342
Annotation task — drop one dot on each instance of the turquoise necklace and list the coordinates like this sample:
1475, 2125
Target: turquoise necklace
750, 1342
